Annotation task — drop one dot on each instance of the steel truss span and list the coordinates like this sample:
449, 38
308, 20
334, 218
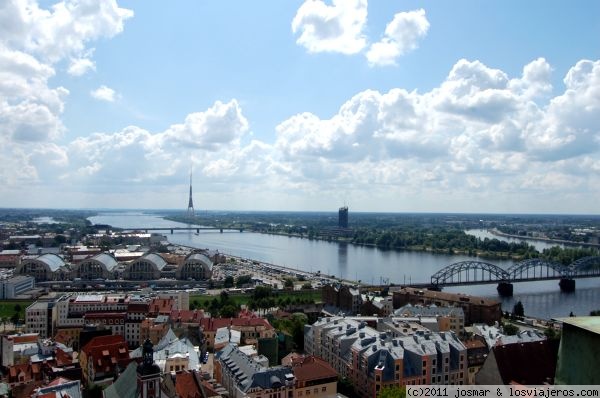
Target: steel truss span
473, 272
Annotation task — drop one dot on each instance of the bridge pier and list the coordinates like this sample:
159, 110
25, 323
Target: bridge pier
436, 288
197, 230
221, 230
171, 232
505, 289
567, 285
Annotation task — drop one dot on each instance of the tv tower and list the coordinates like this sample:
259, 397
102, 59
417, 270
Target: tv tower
190, 209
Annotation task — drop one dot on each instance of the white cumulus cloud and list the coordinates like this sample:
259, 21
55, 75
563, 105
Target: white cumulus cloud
104, 93
401, 35
80, 66
331, 28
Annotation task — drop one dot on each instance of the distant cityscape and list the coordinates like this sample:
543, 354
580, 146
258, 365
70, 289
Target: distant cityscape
97, 310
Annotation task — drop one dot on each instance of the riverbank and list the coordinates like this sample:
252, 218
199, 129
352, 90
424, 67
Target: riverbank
558, 242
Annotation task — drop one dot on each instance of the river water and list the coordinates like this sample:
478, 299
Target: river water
368, 264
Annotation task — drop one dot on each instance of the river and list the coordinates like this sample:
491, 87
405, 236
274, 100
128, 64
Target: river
368, 264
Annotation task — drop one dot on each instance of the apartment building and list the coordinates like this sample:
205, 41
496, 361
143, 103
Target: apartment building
245, 377
373, 360
448, 318
476, 309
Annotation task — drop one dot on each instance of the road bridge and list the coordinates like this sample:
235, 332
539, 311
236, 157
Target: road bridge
172, 229
479, 272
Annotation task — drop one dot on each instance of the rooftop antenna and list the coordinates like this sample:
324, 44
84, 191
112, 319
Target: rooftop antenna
190, 209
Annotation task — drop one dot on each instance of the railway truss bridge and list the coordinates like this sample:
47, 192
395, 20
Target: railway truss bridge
478, 272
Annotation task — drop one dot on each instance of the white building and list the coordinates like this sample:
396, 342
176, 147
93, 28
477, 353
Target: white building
12, 287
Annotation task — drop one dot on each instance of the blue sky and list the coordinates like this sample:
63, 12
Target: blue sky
291, 105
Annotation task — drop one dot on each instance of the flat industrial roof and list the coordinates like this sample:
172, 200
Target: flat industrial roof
591, 323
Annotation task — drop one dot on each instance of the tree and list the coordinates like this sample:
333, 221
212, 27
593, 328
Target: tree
243, 280
551, 333
510, 329
229, 311
228, 282
518, 309
392, 392
288, 283
307, 286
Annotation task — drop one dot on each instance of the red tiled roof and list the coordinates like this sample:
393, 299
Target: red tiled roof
474, 343
186, 387
212, 324
62, 358
24, 338
186, 316
161, 305
107, 351
312, 368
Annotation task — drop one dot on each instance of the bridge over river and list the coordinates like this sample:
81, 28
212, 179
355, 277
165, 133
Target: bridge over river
478, 273
190, 228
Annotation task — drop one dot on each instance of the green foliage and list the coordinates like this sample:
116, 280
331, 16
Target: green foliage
344, 386
8, 308
567, 255
510, 329
307, 286
288, 282
294, 327
551, 333
228, 282
595, 313
518, 309
243, 280
392, 392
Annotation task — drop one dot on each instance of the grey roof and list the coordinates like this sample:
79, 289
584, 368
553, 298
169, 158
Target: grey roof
248, 373
71, 389
106, 259
180, 347
153, 258
126, 385
431, 310
53, 261
170, 346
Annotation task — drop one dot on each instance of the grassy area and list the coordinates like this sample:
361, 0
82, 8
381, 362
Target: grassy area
202, 300
7, 308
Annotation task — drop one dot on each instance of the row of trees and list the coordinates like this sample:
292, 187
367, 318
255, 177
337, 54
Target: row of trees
437, 239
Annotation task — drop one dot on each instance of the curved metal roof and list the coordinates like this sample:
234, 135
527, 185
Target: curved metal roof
153, 258
105, 259
53, 261
199, 257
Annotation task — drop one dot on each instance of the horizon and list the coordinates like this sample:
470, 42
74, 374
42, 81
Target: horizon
390, 107
335, 212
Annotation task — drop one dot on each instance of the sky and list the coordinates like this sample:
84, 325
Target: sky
401, 106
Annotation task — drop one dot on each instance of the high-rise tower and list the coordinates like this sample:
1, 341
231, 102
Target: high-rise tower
343, 217
190, 209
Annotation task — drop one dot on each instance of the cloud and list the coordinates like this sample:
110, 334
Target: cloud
479, 129
104, 93
401, 35
135, 155
331, 28
61, 31
32, 41
80, 66
481, 139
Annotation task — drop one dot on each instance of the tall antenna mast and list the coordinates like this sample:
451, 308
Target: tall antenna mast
190, 209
